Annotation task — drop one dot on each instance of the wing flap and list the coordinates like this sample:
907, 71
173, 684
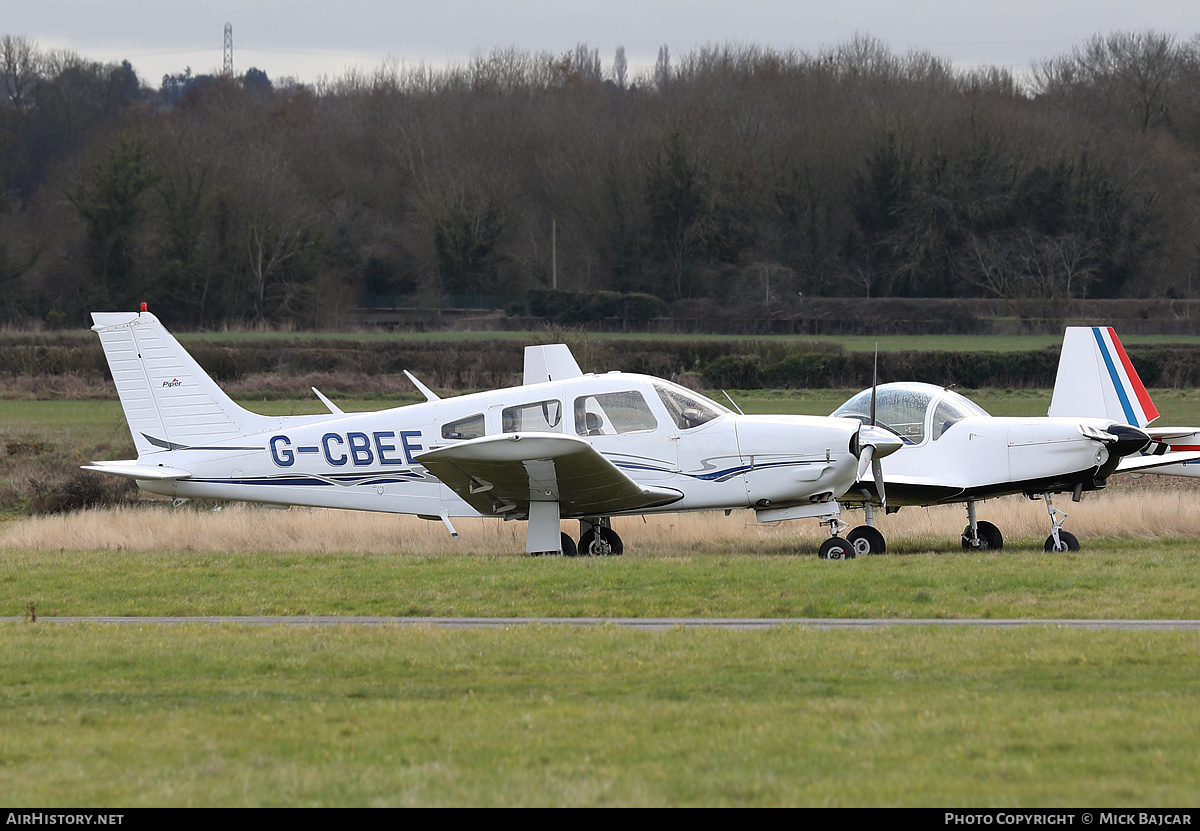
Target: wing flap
503, 474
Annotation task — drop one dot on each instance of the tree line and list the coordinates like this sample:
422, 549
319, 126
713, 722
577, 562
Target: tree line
732, 178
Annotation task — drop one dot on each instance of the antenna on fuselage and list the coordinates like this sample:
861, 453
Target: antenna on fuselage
734, 403
329, 405
429, 394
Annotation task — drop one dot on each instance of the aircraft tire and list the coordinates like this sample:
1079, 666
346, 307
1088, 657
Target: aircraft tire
990, 538
600, 542
568, 546
1069, 542
866, 540
836, 548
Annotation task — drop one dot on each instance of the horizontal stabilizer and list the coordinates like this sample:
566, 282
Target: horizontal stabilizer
1169, 433
133, 470
501, 475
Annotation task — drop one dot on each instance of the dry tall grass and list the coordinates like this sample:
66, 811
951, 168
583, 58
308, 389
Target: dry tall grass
1128, 512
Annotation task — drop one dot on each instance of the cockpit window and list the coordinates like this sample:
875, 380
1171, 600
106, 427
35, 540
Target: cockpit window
688, 409
470, 427
611, 413
948, 412
539, 416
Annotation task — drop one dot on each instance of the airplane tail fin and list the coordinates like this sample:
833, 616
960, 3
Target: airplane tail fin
1097, 380
169, 401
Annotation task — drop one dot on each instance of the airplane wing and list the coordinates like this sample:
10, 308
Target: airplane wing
906, 490
503, 474
1174, 457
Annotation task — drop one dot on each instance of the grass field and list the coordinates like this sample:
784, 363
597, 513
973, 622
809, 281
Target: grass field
552, 716
227, 715
1137, 562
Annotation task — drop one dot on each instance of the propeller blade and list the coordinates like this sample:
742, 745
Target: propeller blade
864, 461
874, 384
877, 470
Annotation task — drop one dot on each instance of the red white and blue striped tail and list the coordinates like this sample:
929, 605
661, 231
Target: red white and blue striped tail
1097, 380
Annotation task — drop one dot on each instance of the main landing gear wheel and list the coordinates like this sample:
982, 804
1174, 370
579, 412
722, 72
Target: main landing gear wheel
866, 540
1066, 542
568, 547
836, 548
990, 538
600, 542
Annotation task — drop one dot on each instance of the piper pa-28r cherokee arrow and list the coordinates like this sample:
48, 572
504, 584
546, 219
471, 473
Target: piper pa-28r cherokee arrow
563, 445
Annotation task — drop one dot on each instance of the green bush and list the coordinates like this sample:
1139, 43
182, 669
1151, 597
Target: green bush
76, 491
585, 306
734, 372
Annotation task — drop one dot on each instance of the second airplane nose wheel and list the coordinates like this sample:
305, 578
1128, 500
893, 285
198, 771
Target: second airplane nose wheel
1066, 542
989, 538
1059, 540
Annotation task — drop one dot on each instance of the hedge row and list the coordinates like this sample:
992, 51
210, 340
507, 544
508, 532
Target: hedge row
476, 364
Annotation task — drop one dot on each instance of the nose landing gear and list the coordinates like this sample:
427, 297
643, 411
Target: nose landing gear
836, 548
980, 536
866, 539
1059, 540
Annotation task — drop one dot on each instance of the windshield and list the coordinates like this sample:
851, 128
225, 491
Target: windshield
902, 408
688, 409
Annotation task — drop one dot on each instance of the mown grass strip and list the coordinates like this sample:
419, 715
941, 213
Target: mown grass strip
188, 716
1113, 579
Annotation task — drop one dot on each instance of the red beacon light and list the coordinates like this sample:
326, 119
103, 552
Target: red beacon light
143, 308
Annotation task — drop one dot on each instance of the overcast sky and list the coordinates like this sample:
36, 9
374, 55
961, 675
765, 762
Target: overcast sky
309, 40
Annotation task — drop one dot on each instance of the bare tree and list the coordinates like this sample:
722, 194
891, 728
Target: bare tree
587, 63
620, 68
20, 63
278, 227
662, 67
1125, 76
1028, 266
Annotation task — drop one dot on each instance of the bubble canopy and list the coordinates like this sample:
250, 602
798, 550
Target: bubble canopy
912, 410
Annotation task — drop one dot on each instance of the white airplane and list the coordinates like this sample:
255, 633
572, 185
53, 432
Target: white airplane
1096, 378
956, 452
564, 445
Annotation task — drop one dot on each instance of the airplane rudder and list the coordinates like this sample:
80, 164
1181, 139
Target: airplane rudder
1135, 389
125, 362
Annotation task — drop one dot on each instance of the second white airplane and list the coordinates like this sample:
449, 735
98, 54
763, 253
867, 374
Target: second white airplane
955, 452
